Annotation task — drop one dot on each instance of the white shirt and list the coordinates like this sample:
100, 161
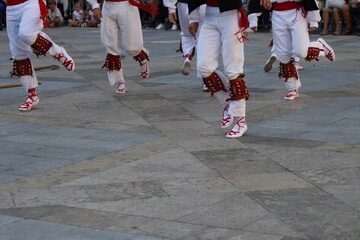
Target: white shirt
93, 3
171, 5
54, 14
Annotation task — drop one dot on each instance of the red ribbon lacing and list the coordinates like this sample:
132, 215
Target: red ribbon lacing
244, 24
150, 8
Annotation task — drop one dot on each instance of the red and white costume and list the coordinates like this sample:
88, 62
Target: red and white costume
291, 37
188, 42
24, 20
218, 35
122, 17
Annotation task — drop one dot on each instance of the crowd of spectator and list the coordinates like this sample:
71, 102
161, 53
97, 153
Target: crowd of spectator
339, 17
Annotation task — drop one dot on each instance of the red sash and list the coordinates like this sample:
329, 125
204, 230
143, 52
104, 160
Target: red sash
150, 8
15, 2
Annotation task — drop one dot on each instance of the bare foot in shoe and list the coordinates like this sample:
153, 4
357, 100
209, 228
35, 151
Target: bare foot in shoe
337, 33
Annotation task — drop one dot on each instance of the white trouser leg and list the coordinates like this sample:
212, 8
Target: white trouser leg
188, 42
17, 32
284, 39
208, 45
109, 37
219, 30
233, 55
130, 29
109, 28
272, 52
29, 82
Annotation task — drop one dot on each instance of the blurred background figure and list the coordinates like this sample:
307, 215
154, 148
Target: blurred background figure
2, 14
334, 7
78, 16
54, 18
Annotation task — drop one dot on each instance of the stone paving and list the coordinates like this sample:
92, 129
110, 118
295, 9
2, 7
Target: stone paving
154, 163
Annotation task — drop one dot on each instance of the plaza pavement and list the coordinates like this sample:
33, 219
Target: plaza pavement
154, 163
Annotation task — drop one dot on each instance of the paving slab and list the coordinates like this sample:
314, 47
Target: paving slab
317, 215
154, 163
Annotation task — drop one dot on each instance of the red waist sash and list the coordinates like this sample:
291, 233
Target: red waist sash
15, 2
287, 6
150, 8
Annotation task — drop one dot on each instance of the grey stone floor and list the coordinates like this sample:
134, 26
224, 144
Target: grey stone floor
154, 164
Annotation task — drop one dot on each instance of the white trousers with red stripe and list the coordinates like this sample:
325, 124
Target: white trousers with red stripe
291, 38
121, 18
217, 36
23, 25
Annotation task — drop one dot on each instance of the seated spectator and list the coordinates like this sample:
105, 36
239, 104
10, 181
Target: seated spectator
2, 13
90, 20
335, 6
54, 17
78, 17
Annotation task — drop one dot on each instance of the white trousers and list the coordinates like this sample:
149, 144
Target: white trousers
23, 26
217, 35
121, 18
188, 42
291, 38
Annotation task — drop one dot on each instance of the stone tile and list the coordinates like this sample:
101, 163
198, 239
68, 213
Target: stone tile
214, 234
229, 234
118, 191
25, 165
69, 173
196, 186
4, 178
272, 225
154, 227
5, 220
106, 206
157, 114
51, 196
206, 142
339, 147
341, 176
321, 122
172, 164
312, 212
172, 208
236, 154
6, 200
148, 103
268, 181
350, 194
32, 212
301, 159
32, 230
235, 212
92, 234
237, 162
282, 142
82, 217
